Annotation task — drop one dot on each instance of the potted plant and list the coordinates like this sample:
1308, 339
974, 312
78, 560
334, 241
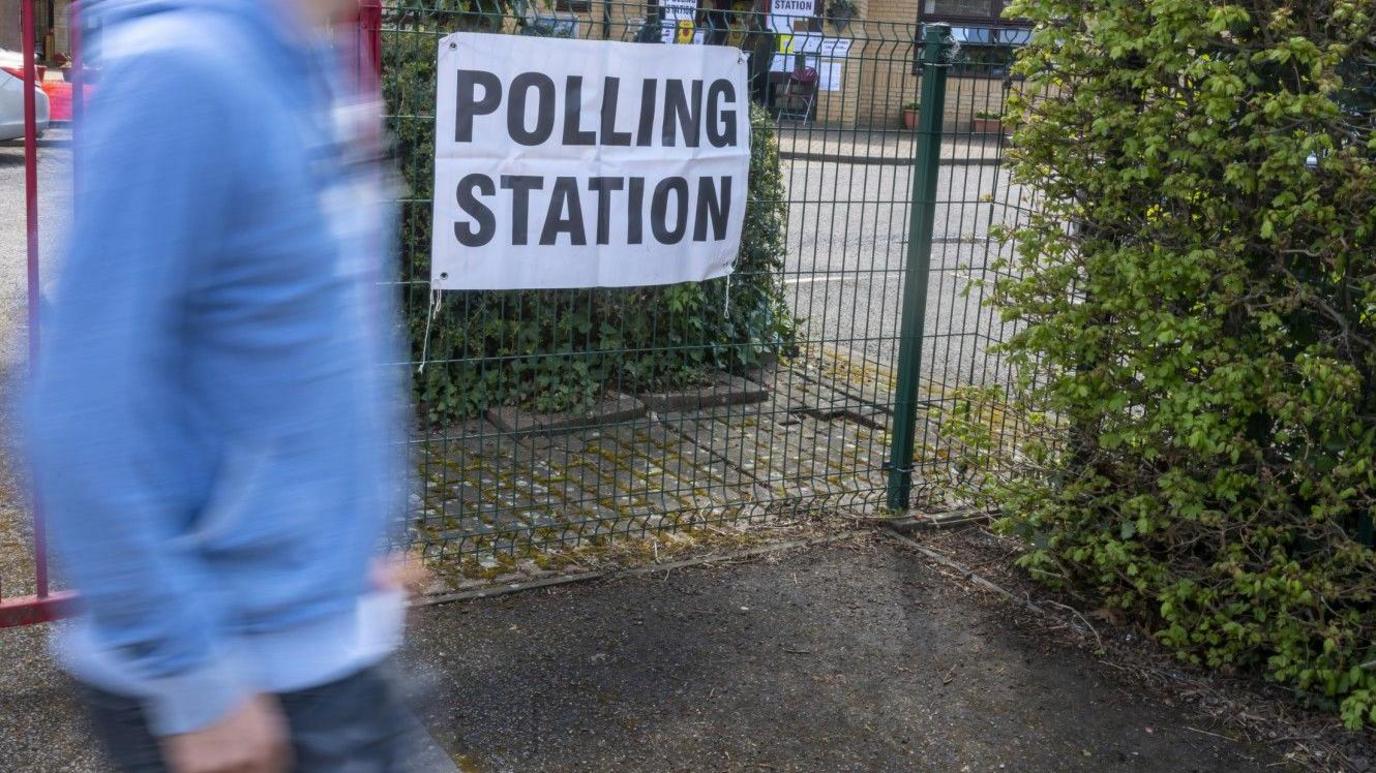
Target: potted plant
840, 12
988, 122
910, 111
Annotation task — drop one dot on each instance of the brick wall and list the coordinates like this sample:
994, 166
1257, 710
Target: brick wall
61, 33
887, 81
10, 31
51, 38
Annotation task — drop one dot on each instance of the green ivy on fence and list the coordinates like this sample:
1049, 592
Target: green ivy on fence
1195, 316
561, 350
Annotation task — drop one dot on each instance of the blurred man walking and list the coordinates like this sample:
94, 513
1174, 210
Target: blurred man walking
212, 430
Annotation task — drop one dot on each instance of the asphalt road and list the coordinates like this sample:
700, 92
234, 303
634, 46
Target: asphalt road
848, 227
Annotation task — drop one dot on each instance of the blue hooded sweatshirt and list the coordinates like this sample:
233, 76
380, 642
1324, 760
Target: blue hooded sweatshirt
214, 429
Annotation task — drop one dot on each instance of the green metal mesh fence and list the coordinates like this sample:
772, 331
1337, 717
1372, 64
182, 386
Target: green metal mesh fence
556, 418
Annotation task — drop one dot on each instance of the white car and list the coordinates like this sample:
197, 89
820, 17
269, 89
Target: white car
12, 98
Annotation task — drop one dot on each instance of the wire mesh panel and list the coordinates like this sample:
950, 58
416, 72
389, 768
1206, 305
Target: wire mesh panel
554, 418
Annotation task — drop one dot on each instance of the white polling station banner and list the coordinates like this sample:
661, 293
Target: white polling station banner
576, 163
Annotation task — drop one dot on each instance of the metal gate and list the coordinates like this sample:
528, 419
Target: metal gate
766, 431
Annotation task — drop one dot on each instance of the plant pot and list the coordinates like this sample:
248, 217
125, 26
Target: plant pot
988, 126
841, 19
910, 118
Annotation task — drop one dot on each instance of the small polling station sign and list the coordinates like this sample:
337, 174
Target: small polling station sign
576, 163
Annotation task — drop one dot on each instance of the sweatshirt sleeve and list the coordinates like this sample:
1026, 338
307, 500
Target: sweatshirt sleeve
115, 469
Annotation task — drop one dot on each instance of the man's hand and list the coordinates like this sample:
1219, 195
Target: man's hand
249, 739
398, 572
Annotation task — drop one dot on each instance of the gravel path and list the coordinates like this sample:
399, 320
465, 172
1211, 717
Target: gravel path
828, 659
38, 730
55, 196
16, 563
842, 658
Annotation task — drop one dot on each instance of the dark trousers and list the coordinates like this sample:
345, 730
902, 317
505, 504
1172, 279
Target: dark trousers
358, 723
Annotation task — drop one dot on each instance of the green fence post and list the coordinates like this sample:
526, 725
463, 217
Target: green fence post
935, 54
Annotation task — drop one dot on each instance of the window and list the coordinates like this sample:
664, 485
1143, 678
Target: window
958, 10
987, 41
961, 8
987, 51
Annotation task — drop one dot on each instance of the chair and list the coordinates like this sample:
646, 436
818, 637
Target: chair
799, 94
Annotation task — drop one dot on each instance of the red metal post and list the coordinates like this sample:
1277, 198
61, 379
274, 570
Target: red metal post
369, 44
40, 537
42, 606
31, 173
74, 40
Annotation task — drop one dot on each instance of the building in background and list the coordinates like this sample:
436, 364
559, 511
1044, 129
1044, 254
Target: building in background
862, 51
980, 80
52, 40
857, 47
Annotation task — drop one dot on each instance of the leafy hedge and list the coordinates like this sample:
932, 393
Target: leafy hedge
1198, 345
559, 350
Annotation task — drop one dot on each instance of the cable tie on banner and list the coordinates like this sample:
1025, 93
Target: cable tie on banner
726, 307
436, 302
